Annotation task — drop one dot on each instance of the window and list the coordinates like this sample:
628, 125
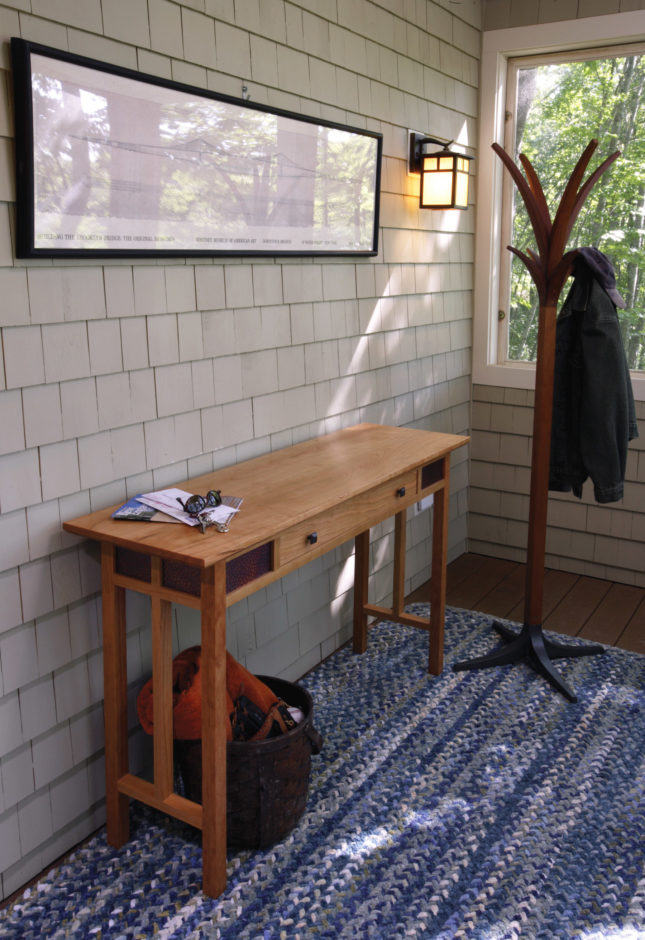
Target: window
553, 109
549, 106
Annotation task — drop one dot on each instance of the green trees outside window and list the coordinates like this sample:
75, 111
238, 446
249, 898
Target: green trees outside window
559, 107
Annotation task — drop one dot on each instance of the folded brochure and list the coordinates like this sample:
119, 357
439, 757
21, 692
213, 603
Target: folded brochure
164, 506
135, 510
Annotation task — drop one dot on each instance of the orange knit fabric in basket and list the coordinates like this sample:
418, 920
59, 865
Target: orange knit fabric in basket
187, 694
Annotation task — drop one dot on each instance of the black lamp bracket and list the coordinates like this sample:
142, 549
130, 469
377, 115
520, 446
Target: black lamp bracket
417, 142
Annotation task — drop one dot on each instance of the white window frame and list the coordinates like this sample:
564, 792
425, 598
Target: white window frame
498, 46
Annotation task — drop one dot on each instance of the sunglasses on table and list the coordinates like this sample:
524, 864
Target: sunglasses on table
196, 504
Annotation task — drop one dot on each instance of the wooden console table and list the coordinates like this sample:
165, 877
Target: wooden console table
299, 503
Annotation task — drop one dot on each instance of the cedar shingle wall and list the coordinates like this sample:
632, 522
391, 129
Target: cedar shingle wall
122, 377
603, 541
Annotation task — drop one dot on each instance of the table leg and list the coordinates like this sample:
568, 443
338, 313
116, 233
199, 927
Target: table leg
162, 702
361, 576
438, 573
115, 701
214, 717
398, 584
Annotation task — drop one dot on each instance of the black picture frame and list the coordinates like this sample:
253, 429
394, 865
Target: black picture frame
111, 162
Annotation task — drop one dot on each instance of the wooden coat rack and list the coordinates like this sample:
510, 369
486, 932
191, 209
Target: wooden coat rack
549, 267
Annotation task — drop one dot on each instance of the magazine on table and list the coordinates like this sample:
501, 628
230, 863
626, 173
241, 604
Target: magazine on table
166, 506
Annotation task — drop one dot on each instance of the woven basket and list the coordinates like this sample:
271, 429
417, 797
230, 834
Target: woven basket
267, 781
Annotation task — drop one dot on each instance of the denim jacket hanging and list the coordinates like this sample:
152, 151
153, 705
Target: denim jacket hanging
593, 403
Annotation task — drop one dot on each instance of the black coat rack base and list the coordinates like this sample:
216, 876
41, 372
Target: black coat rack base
530, 644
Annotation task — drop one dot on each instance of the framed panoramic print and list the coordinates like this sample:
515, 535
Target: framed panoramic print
111, 162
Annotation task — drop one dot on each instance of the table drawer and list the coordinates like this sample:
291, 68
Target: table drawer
355, 515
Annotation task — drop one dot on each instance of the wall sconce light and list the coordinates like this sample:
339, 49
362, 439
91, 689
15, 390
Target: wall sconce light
444, 174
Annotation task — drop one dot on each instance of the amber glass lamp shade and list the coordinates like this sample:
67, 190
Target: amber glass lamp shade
444, 180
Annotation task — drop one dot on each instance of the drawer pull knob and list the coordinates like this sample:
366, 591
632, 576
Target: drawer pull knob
312, 538
401, 491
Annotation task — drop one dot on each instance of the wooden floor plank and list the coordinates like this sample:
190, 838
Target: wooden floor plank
597, 610
469, 592
556, 585
612, 615
506, 595
577, 606
463, 568
633, 636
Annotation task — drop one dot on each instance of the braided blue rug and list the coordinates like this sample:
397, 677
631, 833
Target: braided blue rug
473, 804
